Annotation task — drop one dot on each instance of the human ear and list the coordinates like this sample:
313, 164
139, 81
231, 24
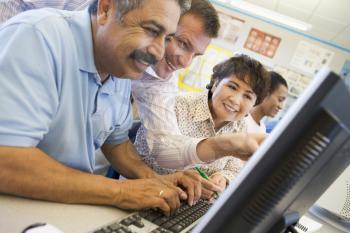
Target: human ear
215, 85
104, 9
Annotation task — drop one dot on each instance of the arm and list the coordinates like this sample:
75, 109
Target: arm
155, 101
31, 173
241, 145
126, 161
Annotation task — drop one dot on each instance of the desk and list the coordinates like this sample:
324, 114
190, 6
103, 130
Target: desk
18, 213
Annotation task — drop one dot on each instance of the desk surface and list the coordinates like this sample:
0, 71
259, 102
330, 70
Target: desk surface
18, 213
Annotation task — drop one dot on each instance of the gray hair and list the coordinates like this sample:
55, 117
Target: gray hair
124, 6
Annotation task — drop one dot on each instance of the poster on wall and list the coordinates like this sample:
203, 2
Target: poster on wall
309, 58
198, 75
297, 82
262, 43
230, 27
345, 73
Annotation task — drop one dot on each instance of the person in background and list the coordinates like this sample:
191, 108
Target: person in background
271, 105
10, 8
237, 85
155, 93
61, 99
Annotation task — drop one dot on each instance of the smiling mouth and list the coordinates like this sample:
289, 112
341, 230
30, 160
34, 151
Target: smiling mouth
171, 66
141, 64
230, 108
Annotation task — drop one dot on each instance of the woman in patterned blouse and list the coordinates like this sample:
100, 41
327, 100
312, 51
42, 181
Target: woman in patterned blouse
216, 116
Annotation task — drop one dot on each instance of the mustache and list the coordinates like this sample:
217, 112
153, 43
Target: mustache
146, 57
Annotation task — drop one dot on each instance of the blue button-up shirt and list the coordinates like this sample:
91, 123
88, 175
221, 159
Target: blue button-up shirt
9, 8
51, 95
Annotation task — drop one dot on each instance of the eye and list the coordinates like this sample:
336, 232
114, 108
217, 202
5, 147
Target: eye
182, 44
152, 31
249, 97
233, 87
168, 39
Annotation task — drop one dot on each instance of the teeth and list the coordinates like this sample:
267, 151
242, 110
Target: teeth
230, 108
169, 64
144, 63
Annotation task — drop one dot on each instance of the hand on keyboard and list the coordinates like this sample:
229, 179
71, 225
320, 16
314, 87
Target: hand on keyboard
194, 185
149, 193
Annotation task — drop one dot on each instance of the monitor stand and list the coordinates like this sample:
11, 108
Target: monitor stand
286, 223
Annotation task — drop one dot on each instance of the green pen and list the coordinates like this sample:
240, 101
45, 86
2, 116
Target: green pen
202, 174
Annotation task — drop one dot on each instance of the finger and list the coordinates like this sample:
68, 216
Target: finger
162, 205
192, 185
172, 198
198, 190
207, 194
182, 194
210, 186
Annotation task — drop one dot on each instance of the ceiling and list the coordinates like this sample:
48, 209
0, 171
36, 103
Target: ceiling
330, 19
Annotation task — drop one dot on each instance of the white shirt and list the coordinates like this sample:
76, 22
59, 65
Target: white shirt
155, 101
9, 8
253, 127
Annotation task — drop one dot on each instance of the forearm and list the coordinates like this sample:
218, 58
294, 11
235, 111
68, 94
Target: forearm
175, 151
213, 148
125, 159
240, 145
29, 172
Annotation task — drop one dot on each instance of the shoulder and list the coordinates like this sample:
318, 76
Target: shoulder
189, 98
51, 24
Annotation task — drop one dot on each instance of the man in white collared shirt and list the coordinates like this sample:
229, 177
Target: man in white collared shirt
155, 92
10, 8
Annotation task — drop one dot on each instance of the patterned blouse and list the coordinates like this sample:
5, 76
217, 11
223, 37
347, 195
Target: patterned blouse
195, 120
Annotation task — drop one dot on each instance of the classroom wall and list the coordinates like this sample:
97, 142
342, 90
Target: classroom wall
289, 42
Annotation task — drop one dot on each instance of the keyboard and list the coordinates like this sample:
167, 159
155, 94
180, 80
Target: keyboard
153, 220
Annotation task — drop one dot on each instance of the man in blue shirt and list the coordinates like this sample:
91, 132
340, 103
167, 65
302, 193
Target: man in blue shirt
60, 100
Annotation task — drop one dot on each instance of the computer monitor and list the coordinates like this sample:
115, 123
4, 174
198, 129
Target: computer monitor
304, 154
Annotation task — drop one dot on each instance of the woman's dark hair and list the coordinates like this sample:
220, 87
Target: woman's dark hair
276, 81
246, 69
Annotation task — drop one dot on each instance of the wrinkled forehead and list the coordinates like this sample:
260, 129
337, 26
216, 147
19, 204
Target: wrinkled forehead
165, 14
191, 28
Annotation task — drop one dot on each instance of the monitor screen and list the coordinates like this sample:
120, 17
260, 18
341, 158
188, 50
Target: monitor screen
304, 154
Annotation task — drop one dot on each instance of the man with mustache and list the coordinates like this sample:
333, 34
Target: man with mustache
60, 100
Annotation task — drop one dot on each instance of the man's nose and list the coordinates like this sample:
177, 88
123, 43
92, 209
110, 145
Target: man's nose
157, 48
186, 59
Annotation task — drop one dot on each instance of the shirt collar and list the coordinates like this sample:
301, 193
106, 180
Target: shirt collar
201, 111
151, 72
80, 23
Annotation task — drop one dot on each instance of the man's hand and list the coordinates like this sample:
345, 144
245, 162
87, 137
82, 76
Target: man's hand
195, 186
149, 193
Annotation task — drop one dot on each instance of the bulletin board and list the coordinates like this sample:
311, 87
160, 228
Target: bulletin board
230, 27
262, 43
